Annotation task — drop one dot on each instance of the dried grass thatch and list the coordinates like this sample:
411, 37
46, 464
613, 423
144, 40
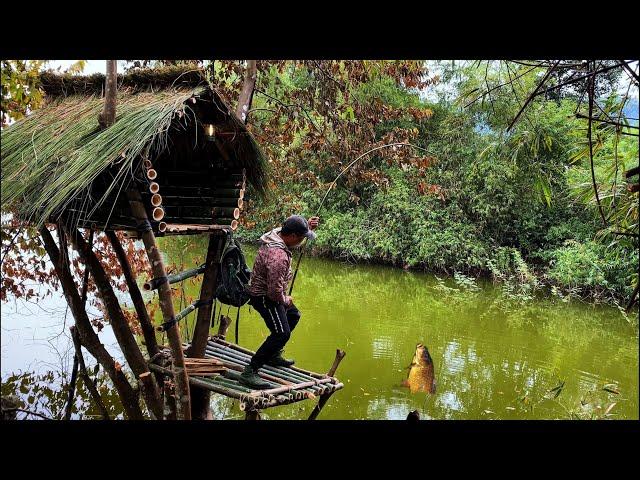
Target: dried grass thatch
52, 157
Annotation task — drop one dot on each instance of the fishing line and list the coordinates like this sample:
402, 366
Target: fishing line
302, 250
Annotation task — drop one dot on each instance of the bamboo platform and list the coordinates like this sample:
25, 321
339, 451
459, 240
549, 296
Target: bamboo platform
182, 229
220, 370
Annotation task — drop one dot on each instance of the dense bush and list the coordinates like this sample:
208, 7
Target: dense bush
593, 269
505, 206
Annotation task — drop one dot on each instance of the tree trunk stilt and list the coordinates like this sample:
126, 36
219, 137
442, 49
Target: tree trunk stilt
136, 296
183, 398
88, 336
108, 115
119, 324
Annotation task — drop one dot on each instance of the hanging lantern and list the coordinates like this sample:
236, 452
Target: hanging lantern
210, 131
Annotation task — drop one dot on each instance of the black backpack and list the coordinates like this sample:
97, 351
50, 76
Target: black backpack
233, 276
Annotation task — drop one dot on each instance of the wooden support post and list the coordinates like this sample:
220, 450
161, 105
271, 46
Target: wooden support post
88, 336
108, 115
119, 325
136, 296
169, 401
201, 398
251, 414
225, 323
207, 290
183, 400
72, 388
325, 397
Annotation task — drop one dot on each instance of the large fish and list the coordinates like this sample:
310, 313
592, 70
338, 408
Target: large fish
421, 377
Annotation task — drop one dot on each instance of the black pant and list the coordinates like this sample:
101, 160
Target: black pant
280, 321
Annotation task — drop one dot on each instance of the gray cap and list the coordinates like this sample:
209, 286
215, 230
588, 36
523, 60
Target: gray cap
298, 224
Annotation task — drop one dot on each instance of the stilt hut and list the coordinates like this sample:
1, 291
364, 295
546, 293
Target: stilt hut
177, 161
175, 140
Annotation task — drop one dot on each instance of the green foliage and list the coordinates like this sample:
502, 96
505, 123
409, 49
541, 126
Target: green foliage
21, 92
508, 267
591, 269
20, 88
486, 202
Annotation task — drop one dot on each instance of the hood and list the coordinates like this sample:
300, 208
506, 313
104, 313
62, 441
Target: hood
272, 239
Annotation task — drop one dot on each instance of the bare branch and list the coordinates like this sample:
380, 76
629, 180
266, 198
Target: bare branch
592, 81
532, 96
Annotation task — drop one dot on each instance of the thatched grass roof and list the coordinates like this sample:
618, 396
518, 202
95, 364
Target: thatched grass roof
55, 156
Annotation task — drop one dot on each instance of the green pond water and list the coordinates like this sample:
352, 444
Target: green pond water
493, 358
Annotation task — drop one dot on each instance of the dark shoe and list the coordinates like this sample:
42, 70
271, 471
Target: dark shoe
250, 378
278, 361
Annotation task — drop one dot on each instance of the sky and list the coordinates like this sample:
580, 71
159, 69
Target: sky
92, 66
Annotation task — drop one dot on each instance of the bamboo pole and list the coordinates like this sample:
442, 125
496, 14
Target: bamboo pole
154, 187
276, 389
284, 389
119, 324
324, 398
147, 163
275, 383
174, 278
205, 384
157, 214
225, 212
156, 200
271, 370
182, 314
244, 360
226, 221
191, 203
228, 388
183, 403
250, 353
224, 382
152, 174
87, 334
162, 227
136, 297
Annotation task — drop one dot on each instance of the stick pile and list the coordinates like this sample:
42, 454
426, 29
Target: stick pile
203, 367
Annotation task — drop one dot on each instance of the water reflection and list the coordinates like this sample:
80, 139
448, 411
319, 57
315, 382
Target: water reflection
493, 358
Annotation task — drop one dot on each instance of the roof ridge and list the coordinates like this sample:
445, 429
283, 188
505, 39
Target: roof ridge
57, 84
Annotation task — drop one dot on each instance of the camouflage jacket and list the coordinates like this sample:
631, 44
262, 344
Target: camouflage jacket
272, 268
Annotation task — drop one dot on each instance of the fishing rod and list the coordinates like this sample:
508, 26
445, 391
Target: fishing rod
302, 250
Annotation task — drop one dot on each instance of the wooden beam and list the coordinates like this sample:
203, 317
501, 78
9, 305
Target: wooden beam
324, 398
183, 401
88, 336
136, 296
119, 324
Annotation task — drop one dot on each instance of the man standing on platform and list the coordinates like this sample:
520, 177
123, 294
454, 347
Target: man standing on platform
268, 293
